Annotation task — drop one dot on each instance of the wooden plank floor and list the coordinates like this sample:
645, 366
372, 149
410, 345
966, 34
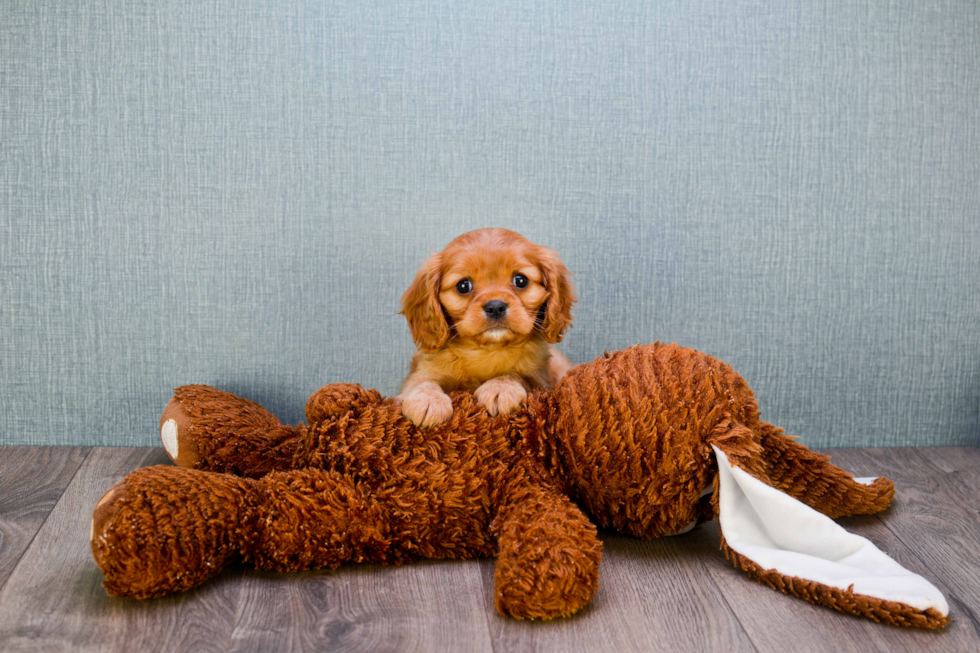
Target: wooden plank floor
672, 594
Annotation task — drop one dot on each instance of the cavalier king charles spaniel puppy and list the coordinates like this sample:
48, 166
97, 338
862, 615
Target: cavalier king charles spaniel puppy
484, 313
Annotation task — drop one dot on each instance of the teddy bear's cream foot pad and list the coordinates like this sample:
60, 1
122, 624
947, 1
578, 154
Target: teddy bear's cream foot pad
168, 434
781, 536
176, 434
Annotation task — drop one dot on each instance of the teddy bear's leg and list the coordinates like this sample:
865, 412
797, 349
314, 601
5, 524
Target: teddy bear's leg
166, 529
548, 558
811, 478
207, 429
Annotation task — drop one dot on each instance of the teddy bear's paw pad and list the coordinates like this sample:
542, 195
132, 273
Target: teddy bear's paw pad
168, 434
175, 434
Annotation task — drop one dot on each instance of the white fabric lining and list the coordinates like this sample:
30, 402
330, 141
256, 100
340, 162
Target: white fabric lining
777, 532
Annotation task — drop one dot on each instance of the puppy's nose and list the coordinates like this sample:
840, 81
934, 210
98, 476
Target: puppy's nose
495, 309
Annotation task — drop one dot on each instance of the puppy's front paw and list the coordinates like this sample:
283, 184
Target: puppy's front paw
427, 406
500, 395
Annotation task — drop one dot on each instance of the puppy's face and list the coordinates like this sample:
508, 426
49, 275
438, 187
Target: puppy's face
492, 293
490, 286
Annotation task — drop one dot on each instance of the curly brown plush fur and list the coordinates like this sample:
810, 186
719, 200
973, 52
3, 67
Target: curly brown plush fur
627, 437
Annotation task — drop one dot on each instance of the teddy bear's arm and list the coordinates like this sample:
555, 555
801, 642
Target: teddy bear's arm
548, 556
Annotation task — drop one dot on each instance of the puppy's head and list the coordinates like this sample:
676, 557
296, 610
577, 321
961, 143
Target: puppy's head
489, 286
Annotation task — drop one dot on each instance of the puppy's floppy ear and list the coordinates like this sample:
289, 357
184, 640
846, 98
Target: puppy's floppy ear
421, 307
561, 295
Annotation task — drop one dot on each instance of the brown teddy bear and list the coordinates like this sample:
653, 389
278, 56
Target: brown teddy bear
650, 441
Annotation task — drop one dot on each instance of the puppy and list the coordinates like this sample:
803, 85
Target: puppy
484, 313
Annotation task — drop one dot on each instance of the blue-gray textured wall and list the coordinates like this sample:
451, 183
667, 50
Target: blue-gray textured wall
237, 193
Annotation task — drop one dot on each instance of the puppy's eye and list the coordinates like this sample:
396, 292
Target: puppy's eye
520, 281
463, 286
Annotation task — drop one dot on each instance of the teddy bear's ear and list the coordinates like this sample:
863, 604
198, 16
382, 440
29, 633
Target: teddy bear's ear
786, 544
338, 399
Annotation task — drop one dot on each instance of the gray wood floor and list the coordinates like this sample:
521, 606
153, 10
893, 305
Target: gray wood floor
673, 594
